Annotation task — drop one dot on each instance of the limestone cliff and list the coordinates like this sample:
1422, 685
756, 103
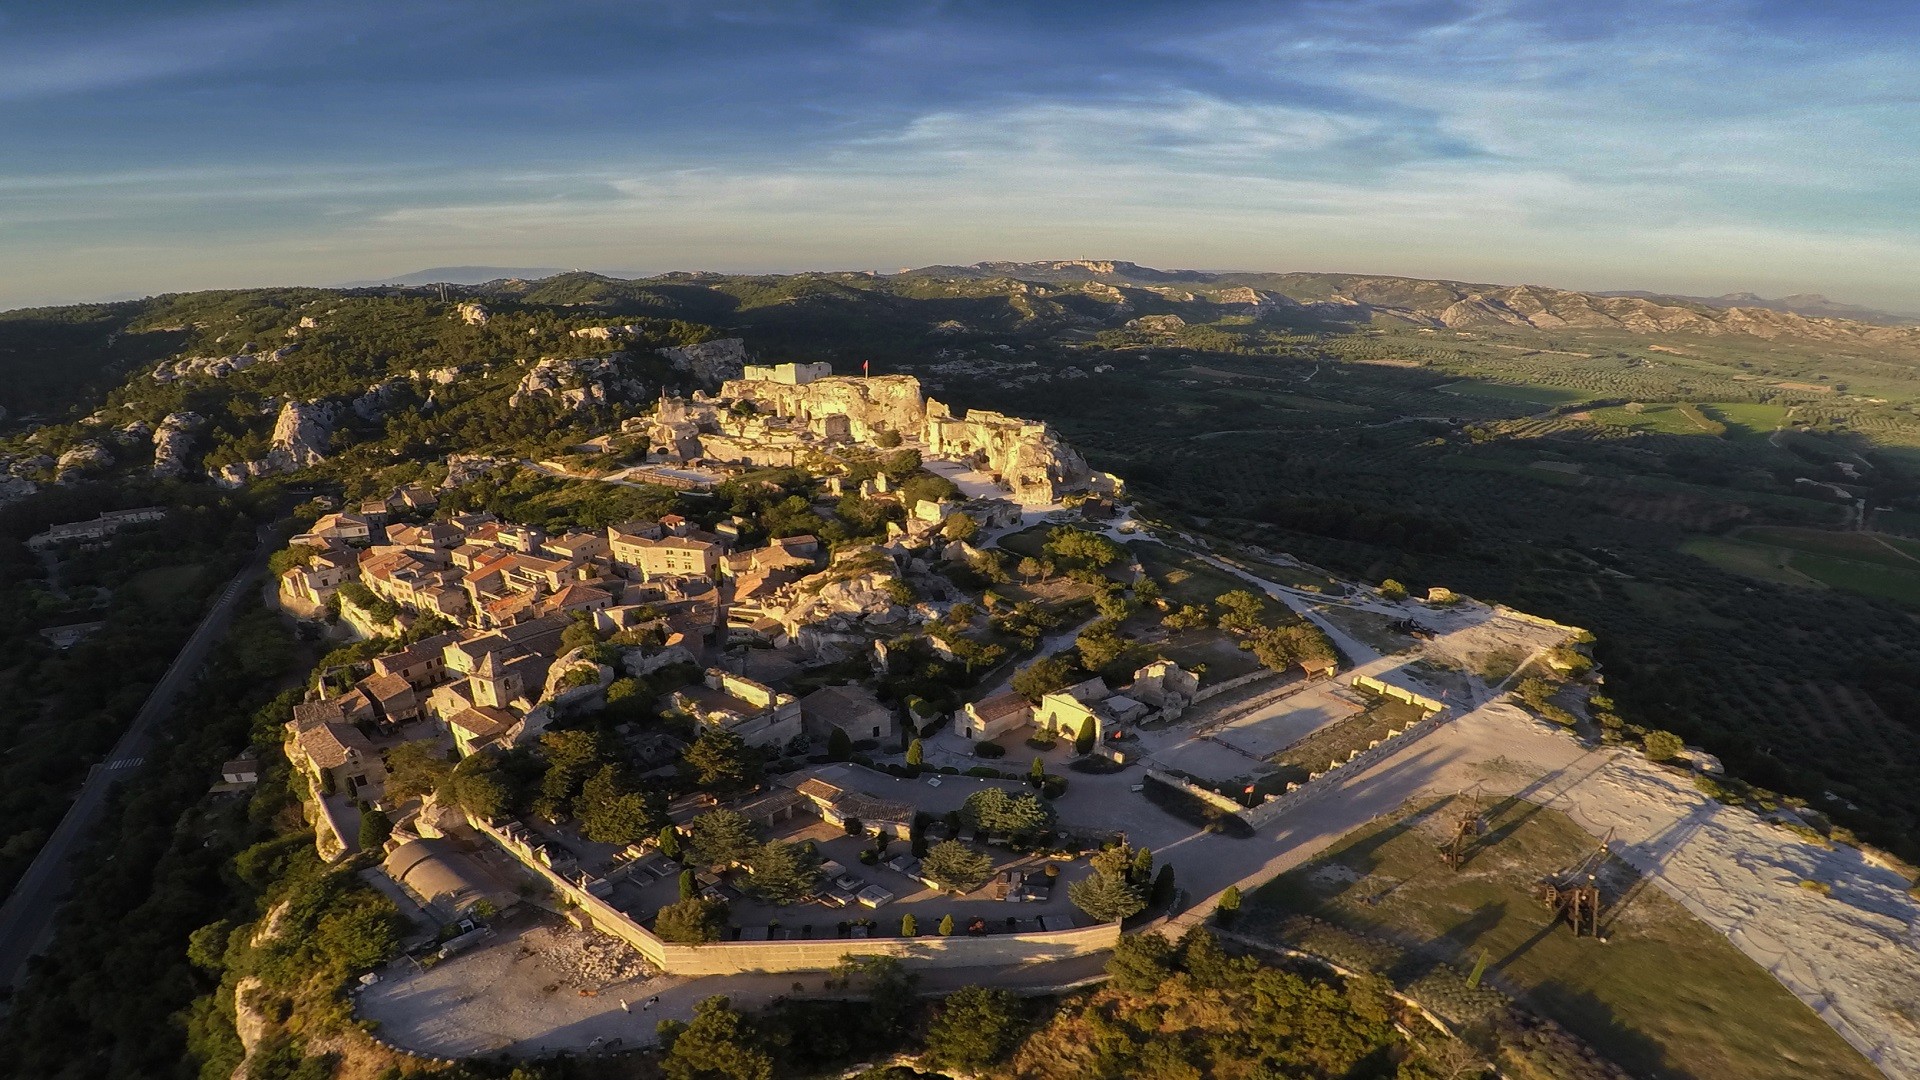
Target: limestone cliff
171, 441
710, 362
581, 383
871, 405
80, 460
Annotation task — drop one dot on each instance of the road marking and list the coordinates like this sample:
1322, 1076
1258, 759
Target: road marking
126, 763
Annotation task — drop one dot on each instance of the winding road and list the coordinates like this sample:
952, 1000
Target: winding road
26, 919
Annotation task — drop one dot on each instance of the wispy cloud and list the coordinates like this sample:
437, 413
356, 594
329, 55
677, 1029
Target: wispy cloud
1705, 145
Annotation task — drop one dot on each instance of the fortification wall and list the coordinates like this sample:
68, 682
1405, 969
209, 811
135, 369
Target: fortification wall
738, 957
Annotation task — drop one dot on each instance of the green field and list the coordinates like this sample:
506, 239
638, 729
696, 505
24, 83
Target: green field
1900, 586
1665, 995
1753, 560
1669, 419
1185, 579
1537, 395
1746, 419
1852, 546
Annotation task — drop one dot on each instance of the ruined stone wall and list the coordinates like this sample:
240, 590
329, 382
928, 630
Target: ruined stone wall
880, 403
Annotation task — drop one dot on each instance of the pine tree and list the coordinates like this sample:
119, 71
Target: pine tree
946, 926
916, 753
909, 926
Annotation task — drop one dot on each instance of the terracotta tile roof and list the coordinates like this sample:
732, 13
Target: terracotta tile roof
331, 745
1000, 705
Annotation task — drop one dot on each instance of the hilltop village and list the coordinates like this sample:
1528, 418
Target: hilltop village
680, 728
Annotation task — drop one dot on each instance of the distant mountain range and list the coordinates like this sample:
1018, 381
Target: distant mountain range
1812, 305
1089, 292
459, 275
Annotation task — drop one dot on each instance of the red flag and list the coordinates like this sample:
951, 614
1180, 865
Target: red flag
866, 367
1249, 789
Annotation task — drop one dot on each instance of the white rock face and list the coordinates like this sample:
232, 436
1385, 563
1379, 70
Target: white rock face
216, 367
172, 441
595, 380
862, 598
1161, 323
378, 398
471, 314
711, 362
466, 468
81, 459
302, 431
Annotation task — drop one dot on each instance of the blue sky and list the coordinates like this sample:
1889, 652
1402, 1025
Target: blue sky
1693, 147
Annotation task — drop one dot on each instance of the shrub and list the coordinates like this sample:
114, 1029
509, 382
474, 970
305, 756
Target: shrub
1663, 745
986, 749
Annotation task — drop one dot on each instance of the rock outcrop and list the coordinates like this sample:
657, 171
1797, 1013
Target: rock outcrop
217, 367
171, 443
472, 314
379, 398
302, 432
871, 405
80, 460
580, 383
711, 363
301, 435
466, 468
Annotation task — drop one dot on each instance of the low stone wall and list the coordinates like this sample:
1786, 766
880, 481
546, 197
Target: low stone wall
1399, 693
1537, 620
1217, 689
740, 957
1207, 795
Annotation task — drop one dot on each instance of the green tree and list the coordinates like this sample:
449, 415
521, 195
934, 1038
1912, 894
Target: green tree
1107, 897
953, 865
1043, 677
1140, 963
1240, 611
478, 786
946, 926
782, 874
959, 528
886, 440
720, 1044
1392, 590
722, 838
612, 811
974, 1029
1163, 888
375, 827
839, 745
901, 465
572, 757
909, 926
1100, 644
1229, 905
579, 634
1093, 549
689, 885
1663, 745
694, 921
1028, 568
670, 841
207, 946
996, 811
1036, 772
1083, 742
721, 761
916, 753
415, 769
1186, 617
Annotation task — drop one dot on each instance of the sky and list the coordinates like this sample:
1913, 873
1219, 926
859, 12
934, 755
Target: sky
1699, 147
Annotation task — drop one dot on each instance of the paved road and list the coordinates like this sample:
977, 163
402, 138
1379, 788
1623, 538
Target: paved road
26, 919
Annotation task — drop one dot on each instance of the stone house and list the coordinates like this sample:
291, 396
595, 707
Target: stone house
852, 709
752, 710
992, 717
